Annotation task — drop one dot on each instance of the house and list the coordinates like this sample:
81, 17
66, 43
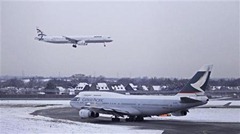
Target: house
61, 90
131, 87
81, 86
156, 87
118, 87
71, 91
145, 88
102, 86
216, 87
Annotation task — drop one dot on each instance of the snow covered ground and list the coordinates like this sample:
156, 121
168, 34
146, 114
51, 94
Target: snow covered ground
222, 102
207, 115
15, 118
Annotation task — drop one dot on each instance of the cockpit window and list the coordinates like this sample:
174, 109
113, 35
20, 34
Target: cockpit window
75, 99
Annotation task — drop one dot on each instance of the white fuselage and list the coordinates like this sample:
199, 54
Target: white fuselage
143, 105
86, 39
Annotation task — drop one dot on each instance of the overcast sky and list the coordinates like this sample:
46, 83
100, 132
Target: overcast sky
154, 39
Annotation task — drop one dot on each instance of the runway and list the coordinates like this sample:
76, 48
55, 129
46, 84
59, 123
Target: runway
169, 126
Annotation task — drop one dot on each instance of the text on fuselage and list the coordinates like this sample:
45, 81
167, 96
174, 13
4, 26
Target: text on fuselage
92, 100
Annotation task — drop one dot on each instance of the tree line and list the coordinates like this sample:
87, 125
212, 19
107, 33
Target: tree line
53, 83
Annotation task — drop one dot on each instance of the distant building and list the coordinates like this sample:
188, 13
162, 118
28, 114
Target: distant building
45, 79
71, 91
81, 86
131, 87
156, 87
41, 93
51, 91
216, 87
26, 80
102, 86
145, 88
62, 90
118, 87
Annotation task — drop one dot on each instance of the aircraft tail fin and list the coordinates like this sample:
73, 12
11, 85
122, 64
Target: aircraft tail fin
198, 84
40, 34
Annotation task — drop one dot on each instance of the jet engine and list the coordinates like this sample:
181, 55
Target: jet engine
85, 113
82, 42
180, 113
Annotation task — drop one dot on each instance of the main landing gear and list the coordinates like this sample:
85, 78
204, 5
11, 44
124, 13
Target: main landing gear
129, 119
134, 118
115, 119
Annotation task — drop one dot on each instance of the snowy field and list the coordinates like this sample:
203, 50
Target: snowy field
15, 118
207, 115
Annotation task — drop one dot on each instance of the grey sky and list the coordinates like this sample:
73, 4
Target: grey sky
157, 38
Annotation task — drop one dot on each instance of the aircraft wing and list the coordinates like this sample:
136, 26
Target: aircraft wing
113, 111
71, 39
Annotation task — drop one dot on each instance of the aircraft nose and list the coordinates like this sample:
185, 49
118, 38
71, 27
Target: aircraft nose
71, 103
109, 39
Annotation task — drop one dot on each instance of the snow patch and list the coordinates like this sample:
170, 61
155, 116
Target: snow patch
18, 120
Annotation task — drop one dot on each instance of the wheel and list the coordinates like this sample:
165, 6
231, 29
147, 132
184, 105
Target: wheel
115, 119
130, 119
139, 118
74, 46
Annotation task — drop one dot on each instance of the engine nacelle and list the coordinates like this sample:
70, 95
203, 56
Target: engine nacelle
82, 42
85, 113
180, 113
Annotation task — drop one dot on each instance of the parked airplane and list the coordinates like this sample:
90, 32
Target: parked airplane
75, 40
136, 107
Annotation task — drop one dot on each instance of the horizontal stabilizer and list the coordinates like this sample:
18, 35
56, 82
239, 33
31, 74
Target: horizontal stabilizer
188, 100
227, 104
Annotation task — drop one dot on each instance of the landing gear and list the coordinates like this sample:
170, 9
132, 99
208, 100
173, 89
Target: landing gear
139, 118
75, 46
130, 119
104, 44
115, 119
134, 118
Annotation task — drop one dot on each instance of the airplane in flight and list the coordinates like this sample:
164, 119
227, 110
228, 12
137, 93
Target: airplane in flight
136, 107
74, 40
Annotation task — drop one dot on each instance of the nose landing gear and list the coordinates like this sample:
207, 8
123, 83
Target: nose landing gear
74, 45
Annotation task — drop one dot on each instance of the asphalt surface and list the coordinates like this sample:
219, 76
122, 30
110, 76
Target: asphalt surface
169, 126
